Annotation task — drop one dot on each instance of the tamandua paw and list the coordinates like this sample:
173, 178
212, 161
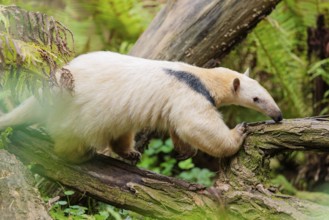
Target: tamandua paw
132, 156
241, 129
239, 133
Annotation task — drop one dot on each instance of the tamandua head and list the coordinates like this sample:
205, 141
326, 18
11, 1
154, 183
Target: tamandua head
249, 93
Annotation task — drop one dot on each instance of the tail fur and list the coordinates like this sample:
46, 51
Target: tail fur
27, 112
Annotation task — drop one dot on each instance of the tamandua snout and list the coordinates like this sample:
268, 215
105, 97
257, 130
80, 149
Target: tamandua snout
113, 96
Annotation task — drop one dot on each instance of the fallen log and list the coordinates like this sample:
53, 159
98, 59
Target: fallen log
116, 182
241, 188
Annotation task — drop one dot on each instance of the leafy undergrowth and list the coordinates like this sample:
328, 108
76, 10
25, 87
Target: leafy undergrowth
158, 158
63, 209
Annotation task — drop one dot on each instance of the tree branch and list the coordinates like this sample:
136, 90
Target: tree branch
294, 134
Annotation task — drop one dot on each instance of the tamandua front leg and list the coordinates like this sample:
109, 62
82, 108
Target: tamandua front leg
207, 131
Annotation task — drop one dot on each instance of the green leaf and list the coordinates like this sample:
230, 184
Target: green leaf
113, 213
78, 207
155, 143
69, 192
147, 162
169, 143
166, 149
61, 202
201, 176
102, 215
167, 166
186, 164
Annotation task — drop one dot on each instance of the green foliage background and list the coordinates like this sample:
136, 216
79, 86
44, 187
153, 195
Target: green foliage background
98, 24
276, 51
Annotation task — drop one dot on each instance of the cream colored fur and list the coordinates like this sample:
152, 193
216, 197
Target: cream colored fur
116, 96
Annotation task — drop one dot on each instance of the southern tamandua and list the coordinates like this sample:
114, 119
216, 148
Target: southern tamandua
113, 96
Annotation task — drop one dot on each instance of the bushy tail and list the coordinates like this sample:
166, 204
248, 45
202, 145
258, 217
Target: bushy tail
27, 112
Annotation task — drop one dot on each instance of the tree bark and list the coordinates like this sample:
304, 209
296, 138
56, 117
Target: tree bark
294, 134
242, 185
200, 32
18, 198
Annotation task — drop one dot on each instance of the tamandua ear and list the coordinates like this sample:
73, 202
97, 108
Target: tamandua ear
247, 72
236, 85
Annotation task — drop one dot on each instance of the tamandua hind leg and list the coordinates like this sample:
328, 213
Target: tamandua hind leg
73, 150
183, 150
124, 147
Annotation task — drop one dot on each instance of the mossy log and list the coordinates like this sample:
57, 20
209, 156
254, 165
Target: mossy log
241, 188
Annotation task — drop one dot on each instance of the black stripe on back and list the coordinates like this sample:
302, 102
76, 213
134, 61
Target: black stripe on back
193, 82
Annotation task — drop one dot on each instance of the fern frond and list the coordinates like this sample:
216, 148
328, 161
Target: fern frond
280, 60
283, 33
277, 50
32, 45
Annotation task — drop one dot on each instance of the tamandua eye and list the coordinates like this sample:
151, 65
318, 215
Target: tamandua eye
256, 99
